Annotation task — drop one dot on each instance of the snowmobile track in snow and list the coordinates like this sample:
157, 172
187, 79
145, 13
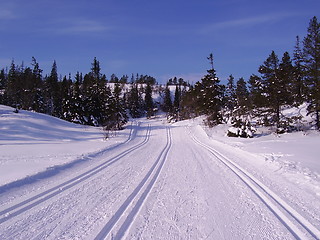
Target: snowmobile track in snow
283, 211
24, 206
133, 200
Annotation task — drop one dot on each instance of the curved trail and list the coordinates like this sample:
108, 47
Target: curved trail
149, 178
21, 207
163, 182
267, 196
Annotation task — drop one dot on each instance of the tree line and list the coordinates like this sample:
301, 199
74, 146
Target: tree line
88, 99
289, 81
91, 99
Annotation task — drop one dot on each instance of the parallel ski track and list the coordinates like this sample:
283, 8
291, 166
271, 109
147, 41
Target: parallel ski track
267, 196
26, 205
148, 181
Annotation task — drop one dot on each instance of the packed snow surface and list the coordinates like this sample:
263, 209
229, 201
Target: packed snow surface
154, 180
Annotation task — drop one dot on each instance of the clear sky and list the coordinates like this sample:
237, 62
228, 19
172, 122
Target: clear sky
161, 38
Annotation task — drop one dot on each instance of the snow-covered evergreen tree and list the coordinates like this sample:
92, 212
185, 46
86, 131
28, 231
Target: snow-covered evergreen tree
209, 99
298, 85
167, 102
135, 102
230, 94
116, 112
149, 105
312, 62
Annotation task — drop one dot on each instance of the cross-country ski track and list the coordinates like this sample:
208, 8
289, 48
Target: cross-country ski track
162, 181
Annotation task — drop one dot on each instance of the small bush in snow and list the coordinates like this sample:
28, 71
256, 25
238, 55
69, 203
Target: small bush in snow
241, 129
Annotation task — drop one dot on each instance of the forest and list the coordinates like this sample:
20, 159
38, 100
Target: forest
92, 99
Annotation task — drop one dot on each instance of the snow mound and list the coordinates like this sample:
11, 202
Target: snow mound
33, 143
26, 126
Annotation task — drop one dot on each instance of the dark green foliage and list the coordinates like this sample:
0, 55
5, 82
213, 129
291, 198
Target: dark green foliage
90, 100
312, 63
177, 99
176, 81
167, 103
204, 98
149, 105
242, 97
241, 129
135, 102
298, 84
230, 94
209, 96
116, 112
256, 88
13, 89
52, 93
277, 78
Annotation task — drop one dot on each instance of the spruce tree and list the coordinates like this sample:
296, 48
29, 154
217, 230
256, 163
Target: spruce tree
134, 102
176, 101
286, 75
96, 95
13, 89
167, 103
298, 86
242, 95
230, 96
38, 103
3, 85
209, 93
66, 99
52, 93
149, 106
76, 102
272, 86
312, 62
256, 92
116, 112
28, 86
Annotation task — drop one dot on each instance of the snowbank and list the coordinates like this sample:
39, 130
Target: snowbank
31, 143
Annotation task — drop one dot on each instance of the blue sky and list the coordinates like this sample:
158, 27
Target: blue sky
160, 38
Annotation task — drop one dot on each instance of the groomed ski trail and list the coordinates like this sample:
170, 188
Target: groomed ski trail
136, 199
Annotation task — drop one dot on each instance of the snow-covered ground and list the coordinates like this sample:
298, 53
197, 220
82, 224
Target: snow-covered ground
154, 180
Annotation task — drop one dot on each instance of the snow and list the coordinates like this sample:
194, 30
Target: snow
32, 142
154, 180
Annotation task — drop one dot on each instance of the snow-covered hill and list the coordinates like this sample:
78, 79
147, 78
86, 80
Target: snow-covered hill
31, 143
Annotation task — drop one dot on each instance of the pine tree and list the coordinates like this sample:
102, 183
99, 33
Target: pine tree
52, 94
38, 103
96, 95
176, 108
230, 96
13, 90
134, 102
271, 85
209, 99
116, 112
242, 95
176, 101
298, 86
28, 87
149, 105
95, 70
286, 75
255, 91
3, 85
77, 101
114, 79
312, 62
66, 99
167, 104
